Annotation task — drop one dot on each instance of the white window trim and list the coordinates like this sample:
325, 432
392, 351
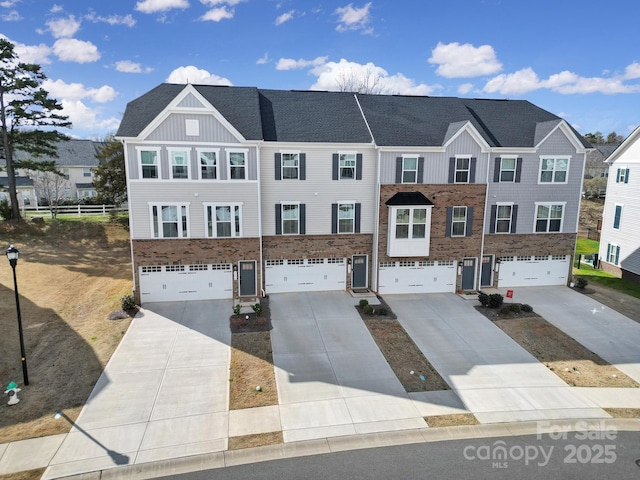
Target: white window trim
515, 168
213, 205
549, 204
192, 127
506, 204
466, 211
555, 158
613, 247
170, 152
355, 165
621, 175
169, 204
217, 152
289, 152
245, 151
353, 225
615, 207
455, 169
282, 219
86, 170
139, 151
404, 157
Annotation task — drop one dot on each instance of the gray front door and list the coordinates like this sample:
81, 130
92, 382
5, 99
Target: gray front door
359, 271
248, 278
487, 270
468, 273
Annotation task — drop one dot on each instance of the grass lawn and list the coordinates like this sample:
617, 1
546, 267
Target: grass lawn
584, 246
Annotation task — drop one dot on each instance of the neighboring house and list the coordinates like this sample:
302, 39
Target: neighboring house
239, 192
24, 189
620, 238
596, 165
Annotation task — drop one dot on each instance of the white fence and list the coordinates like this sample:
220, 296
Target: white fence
78, 210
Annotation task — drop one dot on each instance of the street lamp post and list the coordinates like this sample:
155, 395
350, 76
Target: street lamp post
12, 255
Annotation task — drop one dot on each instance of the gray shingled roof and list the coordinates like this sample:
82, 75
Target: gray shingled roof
71, 153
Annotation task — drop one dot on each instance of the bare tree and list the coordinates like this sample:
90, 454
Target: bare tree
360, 81
52, 187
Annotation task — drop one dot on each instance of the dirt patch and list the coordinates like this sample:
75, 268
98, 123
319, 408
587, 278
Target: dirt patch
623, 412
409, 364
590, 214
256, 440
620, 302
256, 321
71, 276
28, 475
452, 420
251, 367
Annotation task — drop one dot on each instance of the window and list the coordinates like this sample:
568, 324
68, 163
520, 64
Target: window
346, 217
459, 222
549, 217
553, 170
179, 164
208, 164
170, 221
409, 169
463, 165
290, 219
65, 173
613, 254
290, 165
622, 175
411, 222
149, 164
223, 221
237, 165
503, 218
86, 172
508, 169
347, 167
616, 218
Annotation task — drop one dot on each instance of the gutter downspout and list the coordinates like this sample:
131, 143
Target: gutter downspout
262, 291
484, 221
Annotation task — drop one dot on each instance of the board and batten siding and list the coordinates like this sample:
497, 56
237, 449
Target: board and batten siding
528, 191
133, 166
196, 194
436, 164
174, 127
319, 190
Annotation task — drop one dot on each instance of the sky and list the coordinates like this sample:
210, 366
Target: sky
577, 59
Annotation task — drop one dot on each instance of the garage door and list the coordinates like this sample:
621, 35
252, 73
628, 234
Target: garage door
417, 277
305, 275
533, 271
170, 283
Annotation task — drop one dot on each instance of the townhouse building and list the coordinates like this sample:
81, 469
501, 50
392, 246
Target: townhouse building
240, 192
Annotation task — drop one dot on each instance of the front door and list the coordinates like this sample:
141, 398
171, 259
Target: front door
359, 271
468, 273
487, 270
248, 278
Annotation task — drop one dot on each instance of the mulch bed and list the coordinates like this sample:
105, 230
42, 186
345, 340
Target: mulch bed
251, 322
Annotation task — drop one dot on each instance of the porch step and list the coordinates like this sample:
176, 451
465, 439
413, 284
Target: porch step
360, 293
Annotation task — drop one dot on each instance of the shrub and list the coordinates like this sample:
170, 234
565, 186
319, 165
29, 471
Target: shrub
368, 309
128, 302
527, 308
495, 300
236, 309
257, 308
363, 303
505, 310
582, 282
5, 210
383, 311
483, 298
515, 307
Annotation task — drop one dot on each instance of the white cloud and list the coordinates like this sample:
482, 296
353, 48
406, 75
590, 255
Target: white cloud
292, 64
354, 18
221, 2
126, 20
154, 6
12, 16
77, 91
218, 14
522, 81
127, 66
465, 88
64, 27
285, 17
332, 75
632, 71
194, 75
86, 118
73, 50
464, 61
56, 8
9, 3
39, 54
263, 60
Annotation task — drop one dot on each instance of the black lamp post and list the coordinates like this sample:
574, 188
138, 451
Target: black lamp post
12, 255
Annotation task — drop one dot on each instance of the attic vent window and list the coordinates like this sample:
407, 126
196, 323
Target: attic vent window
192, 128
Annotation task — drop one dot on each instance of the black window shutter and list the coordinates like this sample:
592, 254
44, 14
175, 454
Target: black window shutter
277, 161
452, 169
420, 178
492, 224
278, 219
335, 166
303, 166
514, 218
398, 169
617, 255
469, 221
608, 251
618, 176
302, 213
334, 218
358, 166
356, 226
626, 176
449, 221
472, 170
496, 170
518, 169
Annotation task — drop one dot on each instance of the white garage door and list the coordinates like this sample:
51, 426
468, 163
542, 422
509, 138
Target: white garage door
533, 271
417, 277
170, 283
305, 275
